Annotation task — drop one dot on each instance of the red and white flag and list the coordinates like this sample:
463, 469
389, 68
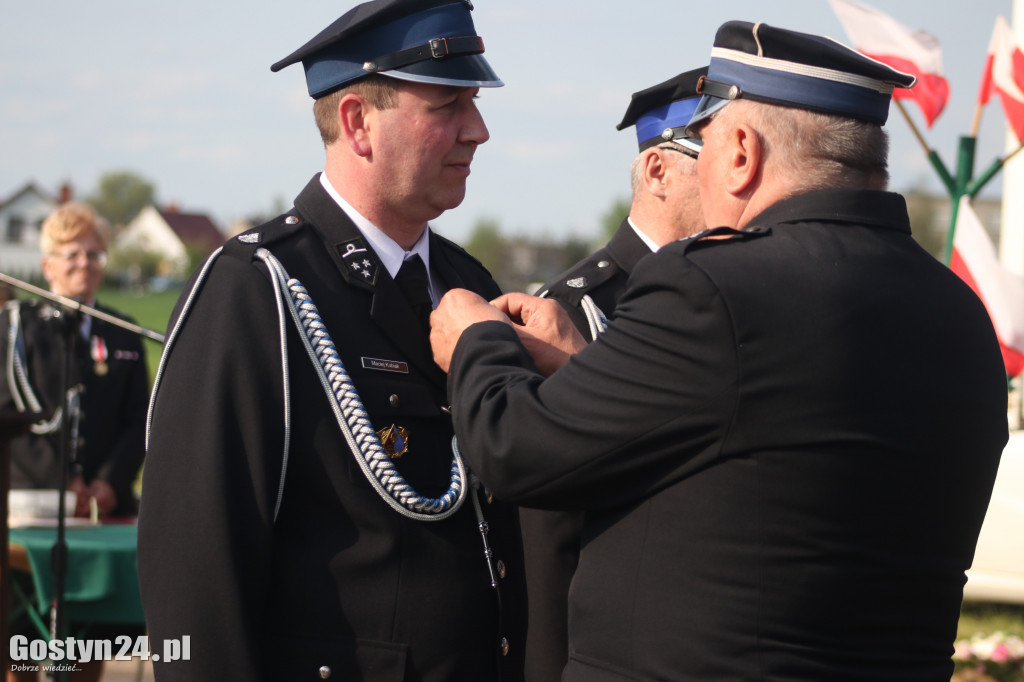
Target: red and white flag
1004, 74
884, 39
975, 261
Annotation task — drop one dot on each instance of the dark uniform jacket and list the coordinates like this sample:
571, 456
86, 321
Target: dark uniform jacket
602, 276
340, 582
112, 425
784, 445
551, 539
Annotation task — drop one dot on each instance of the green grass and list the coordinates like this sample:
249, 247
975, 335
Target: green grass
150, 310
986, 618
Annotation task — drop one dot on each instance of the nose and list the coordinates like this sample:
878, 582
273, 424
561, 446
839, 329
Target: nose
474, 130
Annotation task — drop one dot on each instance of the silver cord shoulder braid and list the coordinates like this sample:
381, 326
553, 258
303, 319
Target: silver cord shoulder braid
25, 399
596, 318
344, 400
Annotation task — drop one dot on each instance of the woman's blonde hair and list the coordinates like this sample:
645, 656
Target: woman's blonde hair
73, 221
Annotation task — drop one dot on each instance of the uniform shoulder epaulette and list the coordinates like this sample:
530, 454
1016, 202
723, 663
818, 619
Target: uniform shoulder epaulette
573, 284
722, 235
244, 245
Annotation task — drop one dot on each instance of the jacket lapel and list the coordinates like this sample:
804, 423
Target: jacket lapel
360, 267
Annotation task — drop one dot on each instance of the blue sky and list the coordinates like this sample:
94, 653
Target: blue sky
182, 93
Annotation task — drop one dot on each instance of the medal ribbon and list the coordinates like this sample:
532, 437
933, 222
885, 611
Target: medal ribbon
98, 350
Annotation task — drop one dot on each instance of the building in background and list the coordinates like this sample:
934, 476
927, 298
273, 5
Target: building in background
21, 217
172, 242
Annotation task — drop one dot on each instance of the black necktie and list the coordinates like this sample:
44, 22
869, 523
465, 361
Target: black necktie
412, 280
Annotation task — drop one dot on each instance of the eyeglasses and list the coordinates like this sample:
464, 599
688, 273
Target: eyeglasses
95, 257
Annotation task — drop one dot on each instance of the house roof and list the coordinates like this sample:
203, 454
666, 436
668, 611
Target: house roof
25, 189
193, 229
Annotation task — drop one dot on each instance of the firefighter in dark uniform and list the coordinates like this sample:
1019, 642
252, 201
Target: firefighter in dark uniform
108, 375
305, 514
107, 379
784, 443
665, 207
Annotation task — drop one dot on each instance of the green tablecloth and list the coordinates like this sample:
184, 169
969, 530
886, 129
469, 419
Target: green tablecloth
102, 584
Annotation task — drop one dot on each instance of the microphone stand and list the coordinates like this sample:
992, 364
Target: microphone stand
69, 323
69, 314
77, 306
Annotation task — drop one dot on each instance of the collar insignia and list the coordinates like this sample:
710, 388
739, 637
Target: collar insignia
359, 261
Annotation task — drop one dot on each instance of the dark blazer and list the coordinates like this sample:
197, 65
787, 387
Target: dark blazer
784, 445
340, 580
602, 276
551, 539
111, 443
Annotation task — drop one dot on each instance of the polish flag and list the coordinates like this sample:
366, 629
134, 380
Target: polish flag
884, 39
1004, 74
975, 261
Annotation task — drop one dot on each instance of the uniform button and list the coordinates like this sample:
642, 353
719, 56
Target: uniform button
292, 220
504, 646
603, 264
393, 400
501, 568
325, 672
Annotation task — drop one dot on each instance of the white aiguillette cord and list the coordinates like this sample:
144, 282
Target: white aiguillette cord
342, 395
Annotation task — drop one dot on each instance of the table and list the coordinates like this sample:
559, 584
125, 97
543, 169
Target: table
102, 583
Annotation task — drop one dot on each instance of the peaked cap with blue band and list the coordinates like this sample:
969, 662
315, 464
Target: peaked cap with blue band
798, 70
426, 41
662, 111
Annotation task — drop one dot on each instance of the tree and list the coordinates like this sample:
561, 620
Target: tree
120, 196
488, 245
613, 217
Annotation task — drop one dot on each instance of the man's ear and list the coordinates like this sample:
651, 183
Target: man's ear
355, 118
744, 158
654, 167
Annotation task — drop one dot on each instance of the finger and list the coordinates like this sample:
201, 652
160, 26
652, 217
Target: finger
502, 304
517, 305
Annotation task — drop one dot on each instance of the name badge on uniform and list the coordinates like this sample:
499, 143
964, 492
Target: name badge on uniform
385, 365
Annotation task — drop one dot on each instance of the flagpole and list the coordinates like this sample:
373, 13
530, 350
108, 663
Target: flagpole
1011, 233
978, 183
976, 123
933, 156
964, 173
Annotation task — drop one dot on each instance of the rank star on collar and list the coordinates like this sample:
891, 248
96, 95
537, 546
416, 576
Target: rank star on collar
357, 259
362, 268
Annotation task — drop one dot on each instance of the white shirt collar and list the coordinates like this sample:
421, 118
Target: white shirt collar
643, 236
390, 253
